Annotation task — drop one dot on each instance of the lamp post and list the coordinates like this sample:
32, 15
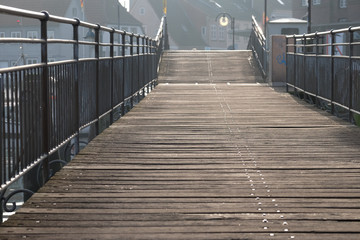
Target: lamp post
224, 19
309, 16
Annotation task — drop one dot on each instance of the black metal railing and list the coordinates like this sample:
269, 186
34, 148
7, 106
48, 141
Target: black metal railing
257, 44
44, 106
325, 67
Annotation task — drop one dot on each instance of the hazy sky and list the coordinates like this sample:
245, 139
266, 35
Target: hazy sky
125, 3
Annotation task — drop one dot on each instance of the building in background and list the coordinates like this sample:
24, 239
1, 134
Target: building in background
150, 12
112, 14
18, 27
192, 22
329, 14
105, 12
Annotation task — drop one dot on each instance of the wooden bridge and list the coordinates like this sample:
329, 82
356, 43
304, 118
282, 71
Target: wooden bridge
211, 153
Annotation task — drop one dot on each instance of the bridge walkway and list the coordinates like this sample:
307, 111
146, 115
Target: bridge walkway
211, 153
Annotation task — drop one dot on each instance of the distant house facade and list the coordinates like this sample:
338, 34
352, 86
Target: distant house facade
112, 14
104, 12
17, 27
149, 13
192, 23
203, 14
329, 14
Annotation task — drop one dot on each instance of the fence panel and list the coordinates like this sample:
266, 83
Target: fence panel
44, 105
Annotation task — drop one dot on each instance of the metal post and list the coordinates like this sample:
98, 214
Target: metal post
46, 112
144, 57
132, 67
123, 37
77, 79
265, 17
332, 71
304, 62
287, 65
309, 16
233, 30
112, 76
351, 48
316, 68
148, 57
167, 45
97, 56
294, 72
138, 66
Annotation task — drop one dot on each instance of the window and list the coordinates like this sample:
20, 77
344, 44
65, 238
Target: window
304, 3
31, 61
237, 36
203, 31
74, 12
343, 3
50, 34
342, 20
142, 11
32, 34
222, 33
2, 34
16, 34
213, 32
316, 2
134, 30
289, 31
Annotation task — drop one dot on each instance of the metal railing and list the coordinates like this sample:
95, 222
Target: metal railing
44, 106
257, 44
325, 66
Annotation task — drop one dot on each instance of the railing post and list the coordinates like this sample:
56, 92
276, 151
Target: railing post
123, 53
77, 79
294, 66
332, 72
351, 48
112, 76
317, 78
287, 65
166, 35
144, 56
138, 66
148, 65
97, 56
304, 62
45, 105
132, 68
151, 63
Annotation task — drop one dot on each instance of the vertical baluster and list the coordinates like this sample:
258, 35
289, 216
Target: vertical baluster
46, 120
351, 48
97, 56
112, 74
123, 37
332, 72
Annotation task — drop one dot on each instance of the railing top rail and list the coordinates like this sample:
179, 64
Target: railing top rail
257, 28
74, 21
309, 35
160, 31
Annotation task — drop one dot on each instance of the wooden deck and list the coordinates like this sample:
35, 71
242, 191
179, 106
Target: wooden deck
209, 154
